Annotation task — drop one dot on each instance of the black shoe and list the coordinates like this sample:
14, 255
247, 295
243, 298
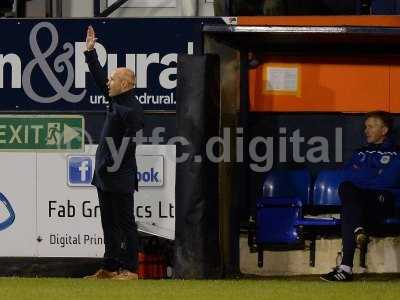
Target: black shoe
337, 275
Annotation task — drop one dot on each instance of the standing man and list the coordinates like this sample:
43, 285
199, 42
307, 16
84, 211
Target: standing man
115, 174
365, 193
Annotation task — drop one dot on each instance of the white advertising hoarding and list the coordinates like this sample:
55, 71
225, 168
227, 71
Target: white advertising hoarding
155, 203
68, 218
56, 208
18, 204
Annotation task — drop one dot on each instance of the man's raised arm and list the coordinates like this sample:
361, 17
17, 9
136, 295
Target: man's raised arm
95, 69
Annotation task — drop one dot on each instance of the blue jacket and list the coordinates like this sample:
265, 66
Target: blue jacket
375, 166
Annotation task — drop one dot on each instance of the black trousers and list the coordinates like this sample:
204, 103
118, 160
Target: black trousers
364, 208
120, 231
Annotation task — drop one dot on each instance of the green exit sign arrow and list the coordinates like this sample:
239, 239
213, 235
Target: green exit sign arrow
42, 133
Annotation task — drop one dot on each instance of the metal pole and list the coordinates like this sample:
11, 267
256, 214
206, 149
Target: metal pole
228, 8
96, 8
244, 169
21, 8
49, 8
59, 8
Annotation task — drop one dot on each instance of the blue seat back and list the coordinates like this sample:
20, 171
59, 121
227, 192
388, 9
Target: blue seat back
288, 183
326, 187
277, 220
384, 7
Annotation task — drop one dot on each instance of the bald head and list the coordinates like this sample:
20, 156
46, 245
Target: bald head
127, 75
120, 81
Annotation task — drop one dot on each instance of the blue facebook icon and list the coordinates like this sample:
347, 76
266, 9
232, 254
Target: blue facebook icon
80, 170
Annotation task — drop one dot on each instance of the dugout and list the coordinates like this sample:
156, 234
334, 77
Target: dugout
326, 71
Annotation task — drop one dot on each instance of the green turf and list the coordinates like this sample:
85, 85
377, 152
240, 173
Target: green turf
74, 289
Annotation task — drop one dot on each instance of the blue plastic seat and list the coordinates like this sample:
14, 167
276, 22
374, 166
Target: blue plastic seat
326, 188
280, 221
288, 183
279, 211
277, 219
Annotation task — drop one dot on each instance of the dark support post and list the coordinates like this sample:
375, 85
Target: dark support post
21, 8
260, 256
59, 8
198, 236
243, 175
312, 252
229, 7
363, 255
240, 178
96, 8
49, 8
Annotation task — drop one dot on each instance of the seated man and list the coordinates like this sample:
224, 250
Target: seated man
365, 199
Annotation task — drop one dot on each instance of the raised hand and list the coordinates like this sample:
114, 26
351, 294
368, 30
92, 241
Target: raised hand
90, 38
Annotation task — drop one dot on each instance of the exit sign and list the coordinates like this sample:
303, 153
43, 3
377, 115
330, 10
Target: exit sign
42, 133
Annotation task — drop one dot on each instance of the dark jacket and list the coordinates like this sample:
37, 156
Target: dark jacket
124, 118
375, 166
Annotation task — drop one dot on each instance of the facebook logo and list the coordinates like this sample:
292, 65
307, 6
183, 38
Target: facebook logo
80, 170
150, 170
149, 176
